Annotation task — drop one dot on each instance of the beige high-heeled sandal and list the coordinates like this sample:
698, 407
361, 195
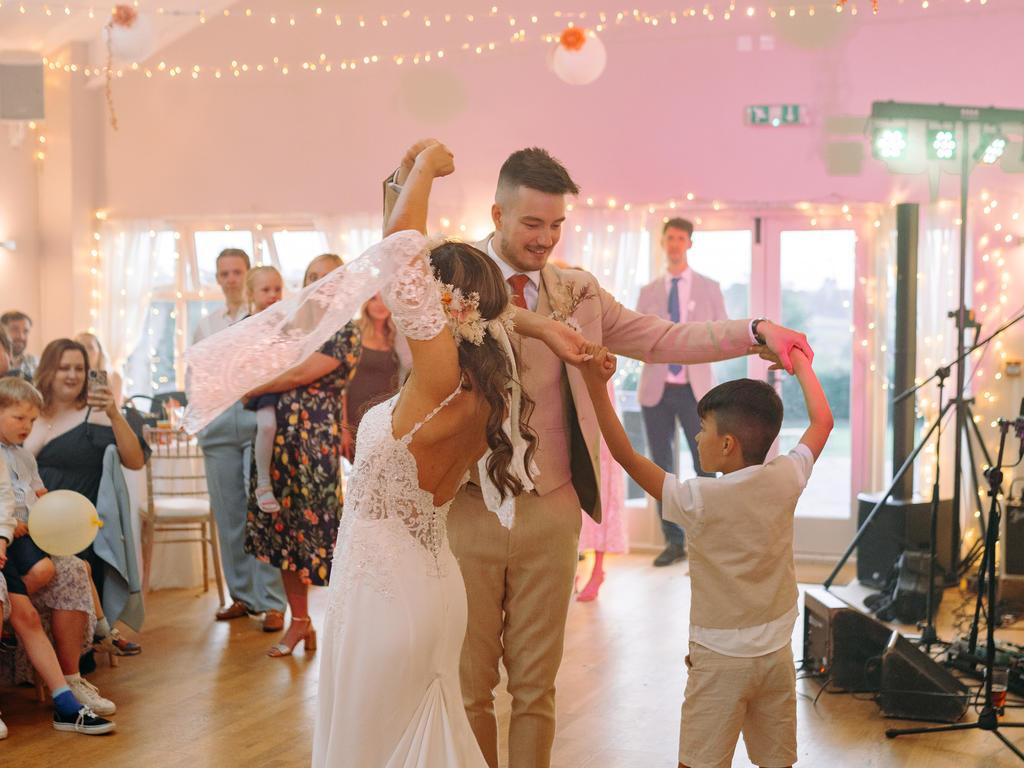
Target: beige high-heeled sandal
308, 640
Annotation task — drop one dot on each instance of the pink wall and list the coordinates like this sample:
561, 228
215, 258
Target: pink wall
19, 270
664, 119
70, 191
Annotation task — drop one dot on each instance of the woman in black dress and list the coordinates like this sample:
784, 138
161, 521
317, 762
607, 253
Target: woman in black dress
75, 428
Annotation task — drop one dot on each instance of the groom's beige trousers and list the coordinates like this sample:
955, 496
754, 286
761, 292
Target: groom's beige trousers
518, 584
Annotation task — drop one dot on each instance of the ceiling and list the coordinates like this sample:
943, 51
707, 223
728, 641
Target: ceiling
39, 32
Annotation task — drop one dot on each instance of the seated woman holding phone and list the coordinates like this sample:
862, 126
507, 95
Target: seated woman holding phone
80, 418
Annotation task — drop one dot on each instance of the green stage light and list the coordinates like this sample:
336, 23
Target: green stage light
991, 147
890, 143
942, 144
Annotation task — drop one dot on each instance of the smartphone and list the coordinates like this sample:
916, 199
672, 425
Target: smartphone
97, 380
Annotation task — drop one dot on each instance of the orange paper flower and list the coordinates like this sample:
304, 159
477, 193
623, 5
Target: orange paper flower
123, 16
573, 38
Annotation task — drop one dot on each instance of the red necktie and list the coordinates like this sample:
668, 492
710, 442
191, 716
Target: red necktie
518, 283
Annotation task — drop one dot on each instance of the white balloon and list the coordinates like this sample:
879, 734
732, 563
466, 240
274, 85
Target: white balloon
63, 523
134, 43
581, 66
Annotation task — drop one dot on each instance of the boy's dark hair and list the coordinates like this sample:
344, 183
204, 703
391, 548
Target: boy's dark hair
750, 411
5, 343
537, 169
678, 223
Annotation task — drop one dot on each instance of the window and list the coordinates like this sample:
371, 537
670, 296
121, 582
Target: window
724, 256
209, 244
183, 289
817, 273
294, 250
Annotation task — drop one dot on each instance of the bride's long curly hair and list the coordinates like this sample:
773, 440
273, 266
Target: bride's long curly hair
467, 268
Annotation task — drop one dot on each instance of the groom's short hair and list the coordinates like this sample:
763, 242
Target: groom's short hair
537, 169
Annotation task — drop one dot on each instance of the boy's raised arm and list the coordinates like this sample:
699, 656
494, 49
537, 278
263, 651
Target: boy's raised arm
817, 405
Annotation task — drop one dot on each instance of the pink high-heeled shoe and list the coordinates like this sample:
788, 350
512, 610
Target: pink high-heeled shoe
590, 591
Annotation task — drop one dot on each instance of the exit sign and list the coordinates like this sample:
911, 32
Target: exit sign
776, 115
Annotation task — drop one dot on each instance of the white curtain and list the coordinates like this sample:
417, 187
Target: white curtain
937, 295
349, 235
130, 254
613, 244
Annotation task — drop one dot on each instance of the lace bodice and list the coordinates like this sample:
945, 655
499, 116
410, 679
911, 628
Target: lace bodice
385, 480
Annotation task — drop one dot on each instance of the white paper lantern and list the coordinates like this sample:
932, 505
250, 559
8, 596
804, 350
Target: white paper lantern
132, 43
582, 60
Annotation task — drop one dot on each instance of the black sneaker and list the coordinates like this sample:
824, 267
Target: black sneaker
84, 721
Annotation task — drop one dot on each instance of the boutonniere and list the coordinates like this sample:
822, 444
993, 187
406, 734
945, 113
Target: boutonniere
566, 299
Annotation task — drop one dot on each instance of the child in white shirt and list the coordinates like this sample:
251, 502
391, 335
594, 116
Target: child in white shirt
741, 676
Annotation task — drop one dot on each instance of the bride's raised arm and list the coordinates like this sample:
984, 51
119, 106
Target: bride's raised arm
412, 295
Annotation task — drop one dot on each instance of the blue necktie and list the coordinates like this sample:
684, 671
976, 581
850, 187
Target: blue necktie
673, 314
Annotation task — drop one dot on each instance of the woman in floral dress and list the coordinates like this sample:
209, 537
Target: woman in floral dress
305, 472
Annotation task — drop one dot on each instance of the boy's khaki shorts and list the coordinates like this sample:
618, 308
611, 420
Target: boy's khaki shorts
728, 695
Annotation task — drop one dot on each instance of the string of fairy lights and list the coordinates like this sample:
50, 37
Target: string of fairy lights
706, 11
506, 30
996, 234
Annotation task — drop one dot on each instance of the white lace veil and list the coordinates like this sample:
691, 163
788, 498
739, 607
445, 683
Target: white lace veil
248, 354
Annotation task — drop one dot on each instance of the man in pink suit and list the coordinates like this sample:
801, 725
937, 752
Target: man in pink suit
519, 580
669, 392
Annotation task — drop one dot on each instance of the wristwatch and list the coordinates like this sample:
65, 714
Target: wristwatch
753, 329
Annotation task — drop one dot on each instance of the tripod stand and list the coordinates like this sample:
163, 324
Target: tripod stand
964, 410
988, 720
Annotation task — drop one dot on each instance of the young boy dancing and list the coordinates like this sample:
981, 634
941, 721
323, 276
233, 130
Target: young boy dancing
739, 526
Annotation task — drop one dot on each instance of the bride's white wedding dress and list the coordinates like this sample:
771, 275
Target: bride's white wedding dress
389, 692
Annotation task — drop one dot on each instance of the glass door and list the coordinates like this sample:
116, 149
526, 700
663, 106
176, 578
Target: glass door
725, 251
811, 281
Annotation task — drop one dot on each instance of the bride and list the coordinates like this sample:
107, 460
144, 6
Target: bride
389, 693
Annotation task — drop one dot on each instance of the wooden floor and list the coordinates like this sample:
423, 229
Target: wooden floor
203, 694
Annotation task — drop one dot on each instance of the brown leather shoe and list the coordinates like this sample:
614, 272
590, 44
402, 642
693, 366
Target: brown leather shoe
236, 610
273, 621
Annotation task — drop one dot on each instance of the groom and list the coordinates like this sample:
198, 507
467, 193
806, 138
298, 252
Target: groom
519, 581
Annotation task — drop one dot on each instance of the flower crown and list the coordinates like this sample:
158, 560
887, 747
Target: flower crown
464, 318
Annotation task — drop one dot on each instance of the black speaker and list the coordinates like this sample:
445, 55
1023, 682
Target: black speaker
906, 597
899, 526
1012, 535
841, 643
915, 687
1011, 543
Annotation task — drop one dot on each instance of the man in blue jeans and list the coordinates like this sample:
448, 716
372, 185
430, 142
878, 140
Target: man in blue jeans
255, 587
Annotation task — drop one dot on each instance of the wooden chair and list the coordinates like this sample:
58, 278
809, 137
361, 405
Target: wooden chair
178, 502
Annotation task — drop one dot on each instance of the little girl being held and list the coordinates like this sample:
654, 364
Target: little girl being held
263, 287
